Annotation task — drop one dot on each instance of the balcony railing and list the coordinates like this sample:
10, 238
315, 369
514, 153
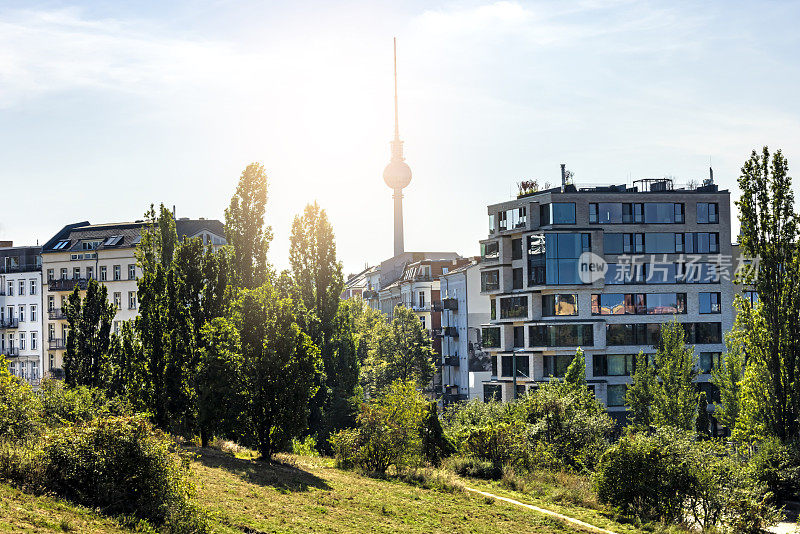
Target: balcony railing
450, 331
9, 323
67, 284
450, 304
10, 353
56, 343
369, 294
452, 361
56, 313
28, 267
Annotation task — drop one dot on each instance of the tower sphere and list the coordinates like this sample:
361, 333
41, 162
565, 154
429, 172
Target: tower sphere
397, 174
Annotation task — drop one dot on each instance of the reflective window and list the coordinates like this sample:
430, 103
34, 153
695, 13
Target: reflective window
556, 365
702, 242
563, 212
523, 366
561, 335
490, 337
659, 243
492, 227
516, 278
490, 250
707, 212
710, 303
666, 303
519, 336
613, 243
708, 361
698, 273
561, 257
751, 297
663, 212
536, 260
490, 280
514, 307
544, 214
615, 394
516, 249
561, 304
608, 212
661, 273
707, 333
613, 364
492, 392
625, 273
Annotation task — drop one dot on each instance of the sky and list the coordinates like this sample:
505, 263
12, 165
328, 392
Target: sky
107, 107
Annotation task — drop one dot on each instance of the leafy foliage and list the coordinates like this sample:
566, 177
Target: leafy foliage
86, 361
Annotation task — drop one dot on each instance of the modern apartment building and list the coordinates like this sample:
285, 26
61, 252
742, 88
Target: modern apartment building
658, 253
106, 253
21, 311
465, 366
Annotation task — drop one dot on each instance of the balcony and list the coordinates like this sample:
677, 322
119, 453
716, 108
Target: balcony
55, 373
437, 306
56, 313
450, 304
10, 353
450, 331
68, 284
28, 267
369, 294
56, 343
452, 361
9, 323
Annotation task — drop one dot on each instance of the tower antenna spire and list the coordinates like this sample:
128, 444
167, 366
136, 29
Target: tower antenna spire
396, 120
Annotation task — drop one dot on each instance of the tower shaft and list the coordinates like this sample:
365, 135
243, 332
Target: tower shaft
399, 247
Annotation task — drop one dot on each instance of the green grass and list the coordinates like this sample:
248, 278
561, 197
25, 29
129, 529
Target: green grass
20, 512
305, 494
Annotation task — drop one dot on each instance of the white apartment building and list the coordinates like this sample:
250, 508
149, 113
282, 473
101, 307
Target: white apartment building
464, 310
21, 311
106, 253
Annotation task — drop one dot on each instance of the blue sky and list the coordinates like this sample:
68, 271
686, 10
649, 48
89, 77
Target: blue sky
105, 108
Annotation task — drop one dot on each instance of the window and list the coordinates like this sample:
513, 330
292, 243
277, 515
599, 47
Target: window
32, 290
708, 361
493, 309
544, 215
493, 359
659, 243
22, 313
555, 365
34, 341
490, 337
490, 251
751, 297
561, 335
707, 213
22, 338
492, 392
666, 303
131, 271
51, 331
702, 242
625, 273
536, 259
710, 303
422, 320
118, 300
490, 280
613, 364
492, 227
519, 336
51, 302
514, 307
698, 273
89, 272
51, 361
10, 288
516, 278
561, 257
618, 303
132, 299
51, 274
663, 213
76, 273
623, 243
563, 212
103, 273
661, 273
607, 212
522, 363
560, 304
707, 333
63, 273
117, 272
650, 333
33, 313
21, 287
615, 394
516, 249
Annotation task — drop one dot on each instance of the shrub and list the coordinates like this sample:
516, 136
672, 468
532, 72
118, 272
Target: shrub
305, 447
19, 407
461, 419
436, 446
62, 405
501, 444
469, 466
122, 466
776, 466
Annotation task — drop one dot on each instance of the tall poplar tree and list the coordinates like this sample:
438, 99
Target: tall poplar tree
87, 361
245, 229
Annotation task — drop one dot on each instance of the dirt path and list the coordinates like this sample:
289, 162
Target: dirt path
551, 513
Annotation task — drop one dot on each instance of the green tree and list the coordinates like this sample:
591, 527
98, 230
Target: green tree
728, 378
86, 361
769, 232
676, 399
403, 352
576, 370
245, 230
280, 363
641, 393
128, 377
219, 381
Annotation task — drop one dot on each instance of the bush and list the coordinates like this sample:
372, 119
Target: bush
62, 405
475, 468
19, 407
776, 466
305, 447
501, 444
122, 466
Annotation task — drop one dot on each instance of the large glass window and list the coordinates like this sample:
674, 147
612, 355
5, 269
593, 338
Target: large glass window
613, 364
490, 280
707, 333
707, 212
516, 278
490, 250
561, 335
659, 243
544, 214
661, 273
490, 337
623, 243
514, 307
708, 361
698, 273
611, 304
563, 212
613, 243
650, 333
519, 337
666, 303
615, 394
607, 212
561, 304
492, 392
492, 227
516, 249
663, 213
625, 273
702, 242
561, 257
710, 303
536, 260
523, 366
555, 365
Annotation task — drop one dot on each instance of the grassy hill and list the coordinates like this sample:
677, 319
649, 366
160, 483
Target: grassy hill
301, 494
